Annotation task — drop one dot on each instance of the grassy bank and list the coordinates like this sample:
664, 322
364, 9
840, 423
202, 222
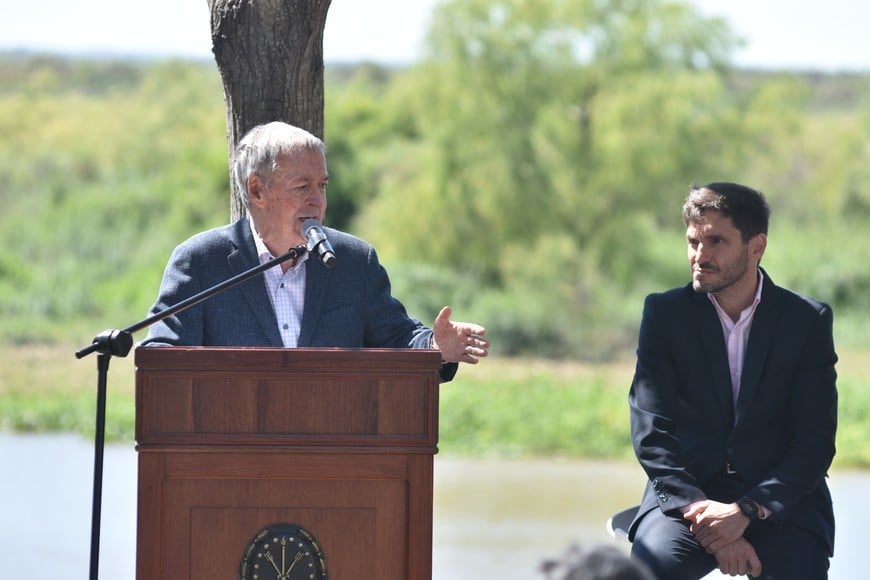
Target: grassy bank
505, 407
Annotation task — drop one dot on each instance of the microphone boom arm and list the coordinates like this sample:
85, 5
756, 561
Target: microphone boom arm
116, 341
119, 343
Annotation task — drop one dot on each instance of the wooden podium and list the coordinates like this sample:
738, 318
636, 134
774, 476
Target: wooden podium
233, 440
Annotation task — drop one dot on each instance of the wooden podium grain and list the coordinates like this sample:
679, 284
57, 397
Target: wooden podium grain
340, 442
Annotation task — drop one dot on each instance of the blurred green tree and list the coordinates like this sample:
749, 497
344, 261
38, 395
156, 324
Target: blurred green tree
537, 117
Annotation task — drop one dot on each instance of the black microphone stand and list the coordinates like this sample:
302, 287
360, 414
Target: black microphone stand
118, 343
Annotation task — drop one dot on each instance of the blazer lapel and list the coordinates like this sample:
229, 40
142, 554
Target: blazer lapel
254, 290
318, 280
760, 340
710, 331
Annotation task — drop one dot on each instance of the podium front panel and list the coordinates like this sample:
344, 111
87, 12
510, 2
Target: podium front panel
338, 442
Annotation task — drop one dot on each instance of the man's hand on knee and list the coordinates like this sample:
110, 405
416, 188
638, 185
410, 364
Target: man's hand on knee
715, 524
738, 558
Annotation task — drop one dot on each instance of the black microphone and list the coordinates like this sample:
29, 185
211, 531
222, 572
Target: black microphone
317, 242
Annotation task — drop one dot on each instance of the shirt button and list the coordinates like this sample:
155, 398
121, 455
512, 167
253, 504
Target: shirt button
286, 326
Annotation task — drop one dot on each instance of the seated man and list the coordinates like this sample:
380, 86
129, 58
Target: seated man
733, 409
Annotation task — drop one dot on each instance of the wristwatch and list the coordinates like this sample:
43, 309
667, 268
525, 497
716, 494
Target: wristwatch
749, 508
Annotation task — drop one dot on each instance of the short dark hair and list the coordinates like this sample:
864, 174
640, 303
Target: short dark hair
746, 207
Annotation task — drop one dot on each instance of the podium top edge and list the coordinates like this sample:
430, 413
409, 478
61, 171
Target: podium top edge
218, 358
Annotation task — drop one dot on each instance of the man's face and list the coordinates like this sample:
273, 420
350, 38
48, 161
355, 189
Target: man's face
718, 257
295, 192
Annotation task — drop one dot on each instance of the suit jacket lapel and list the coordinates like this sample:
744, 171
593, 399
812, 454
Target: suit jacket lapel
242, 259
760, 340
318, 280
710, 331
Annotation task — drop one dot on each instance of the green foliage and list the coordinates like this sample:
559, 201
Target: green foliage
425, 289
838, 282
535, 415
27, 412
99, 186
854, 410
358, 157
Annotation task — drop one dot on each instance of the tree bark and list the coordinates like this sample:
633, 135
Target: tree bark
270, 57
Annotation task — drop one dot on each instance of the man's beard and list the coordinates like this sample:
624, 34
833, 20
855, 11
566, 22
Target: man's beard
724, 276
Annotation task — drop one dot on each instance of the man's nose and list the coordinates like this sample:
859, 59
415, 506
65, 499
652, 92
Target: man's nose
314, 196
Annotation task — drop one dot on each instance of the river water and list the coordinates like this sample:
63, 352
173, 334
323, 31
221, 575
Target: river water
494, 518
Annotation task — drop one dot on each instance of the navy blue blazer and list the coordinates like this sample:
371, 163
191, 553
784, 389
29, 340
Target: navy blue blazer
780, 438
349, 306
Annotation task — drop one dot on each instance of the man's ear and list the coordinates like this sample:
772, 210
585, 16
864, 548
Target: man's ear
255, 189
757, 245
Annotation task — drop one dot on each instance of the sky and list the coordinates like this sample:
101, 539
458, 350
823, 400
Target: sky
792, 34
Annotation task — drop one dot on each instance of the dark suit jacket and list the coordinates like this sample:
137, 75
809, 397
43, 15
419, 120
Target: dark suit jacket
349, 306
780, 438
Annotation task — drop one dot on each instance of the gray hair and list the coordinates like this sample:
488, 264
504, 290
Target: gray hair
258, 151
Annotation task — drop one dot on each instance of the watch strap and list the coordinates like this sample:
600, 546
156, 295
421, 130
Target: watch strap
749, 508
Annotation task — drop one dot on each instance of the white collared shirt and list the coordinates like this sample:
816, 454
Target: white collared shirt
737, 336
736, 340
286, 291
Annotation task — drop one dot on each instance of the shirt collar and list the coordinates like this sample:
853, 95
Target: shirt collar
751, 307
263, 253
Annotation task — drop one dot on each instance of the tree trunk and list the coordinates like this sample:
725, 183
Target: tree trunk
270, 57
